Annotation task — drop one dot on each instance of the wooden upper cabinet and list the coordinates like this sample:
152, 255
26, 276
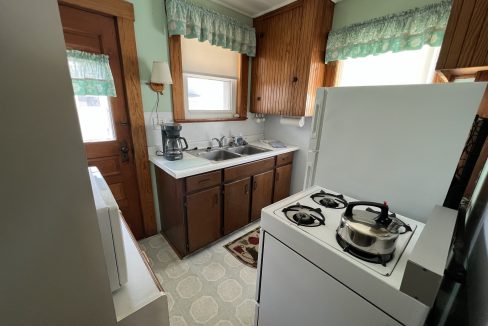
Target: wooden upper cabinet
464, 50
289, 64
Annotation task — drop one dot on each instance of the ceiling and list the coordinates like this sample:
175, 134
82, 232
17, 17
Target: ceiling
254, 8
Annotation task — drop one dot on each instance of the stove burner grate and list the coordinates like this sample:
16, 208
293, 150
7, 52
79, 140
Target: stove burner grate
366, 256
304, 215
329, 200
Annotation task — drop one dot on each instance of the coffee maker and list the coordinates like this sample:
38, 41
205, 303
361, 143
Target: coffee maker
172, 141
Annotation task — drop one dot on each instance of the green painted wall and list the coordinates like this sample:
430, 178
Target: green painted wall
152, 43
349, 12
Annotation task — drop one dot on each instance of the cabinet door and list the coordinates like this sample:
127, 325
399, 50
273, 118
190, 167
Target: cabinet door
262, 193
282, 182
203, 218
274, 66
237, 197
465, 43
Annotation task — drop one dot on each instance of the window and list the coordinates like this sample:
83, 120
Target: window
95, 117
210, 81
207, 95
406, 67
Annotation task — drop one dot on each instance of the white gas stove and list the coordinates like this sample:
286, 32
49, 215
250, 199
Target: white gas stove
372, 288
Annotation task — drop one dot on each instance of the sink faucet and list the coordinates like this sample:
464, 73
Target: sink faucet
219, 141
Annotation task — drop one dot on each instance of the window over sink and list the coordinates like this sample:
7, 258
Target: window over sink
209, 96
213, 79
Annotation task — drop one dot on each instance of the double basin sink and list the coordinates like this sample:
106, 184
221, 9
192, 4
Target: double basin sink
222, 154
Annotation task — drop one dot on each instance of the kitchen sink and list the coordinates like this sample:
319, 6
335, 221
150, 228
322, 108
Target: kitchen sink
217, 155
247, 150
227, 153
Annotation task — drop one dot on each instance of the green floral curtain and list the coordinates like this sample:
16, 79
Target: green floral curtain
90, 73
192, 21
407, 30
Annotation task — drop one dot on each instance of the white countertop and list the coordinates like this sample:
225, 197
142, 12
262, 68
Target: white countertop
192, 165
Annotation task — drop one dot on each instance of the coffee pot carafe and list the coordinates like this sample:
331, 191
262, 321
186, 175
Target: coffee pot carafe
172, 141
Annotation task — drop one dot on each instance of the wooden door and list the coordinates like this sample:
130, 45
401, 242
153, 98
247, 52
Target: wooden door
203, 218
237, 196
112, 154
274, 67
262, 193
282, 182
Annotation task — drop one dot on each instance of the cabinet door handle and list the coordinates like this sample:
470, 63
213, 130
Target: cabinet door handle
204, 180
255, 185
246, 189
277, 176
295, 79
216, 199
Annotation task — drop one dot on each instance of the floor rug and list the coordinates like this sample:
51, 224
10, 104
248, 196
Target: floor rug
245, 248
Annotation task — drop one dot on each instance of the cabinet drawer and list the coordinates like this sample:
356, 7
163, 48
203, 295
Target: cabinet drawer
247, 170
202, 181
284, 159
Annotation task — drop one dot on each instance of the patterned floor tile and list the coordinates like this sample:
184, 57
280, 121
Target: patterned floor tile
210, 287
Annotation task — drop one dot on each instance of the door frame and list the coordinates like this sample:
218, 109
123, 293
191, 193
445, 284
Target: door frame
123, 13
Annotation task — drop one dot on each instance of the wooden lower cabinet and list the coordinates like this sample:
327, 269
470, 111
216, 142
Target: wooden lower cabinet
262, 193
282, 182
237, 196
198, 210
203, 217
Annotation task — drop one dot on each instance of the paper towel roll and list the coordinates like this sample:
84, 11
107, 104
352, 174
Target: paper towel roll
297, 122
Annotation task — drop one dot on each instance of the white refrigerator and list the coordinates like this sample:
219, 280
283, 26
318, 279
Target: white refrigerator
399, 144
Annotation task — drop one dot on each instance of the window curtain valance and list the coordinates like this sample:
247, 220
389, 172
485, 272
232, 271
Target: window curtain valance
407, 30
192, 21
90, 73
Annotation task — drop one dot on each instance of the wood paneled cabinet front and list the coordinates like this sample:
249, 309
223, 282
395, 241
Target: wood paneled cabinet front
282, 182
237, 196
198, 210
262, 193
203, 211
464, 49
289, 64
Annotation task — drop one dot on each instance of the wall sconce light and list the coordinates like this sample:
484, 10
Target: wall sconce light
160, 76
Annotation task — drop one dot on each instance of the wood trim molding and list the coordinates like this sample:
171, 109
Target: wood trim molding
136, 115
332, 73
117, 8
176, 66
242, 86
123, 12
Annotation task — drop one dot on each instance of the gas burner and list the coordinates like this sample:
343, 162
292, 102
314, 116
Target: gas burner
329, 200
366, 256
304, 215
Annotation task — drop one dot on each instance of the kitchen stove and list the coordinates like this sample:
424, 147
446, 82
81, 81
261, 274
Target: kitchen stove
322, 208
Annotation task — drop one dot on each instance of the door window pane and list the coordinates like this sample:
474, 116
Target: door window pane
95, 117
